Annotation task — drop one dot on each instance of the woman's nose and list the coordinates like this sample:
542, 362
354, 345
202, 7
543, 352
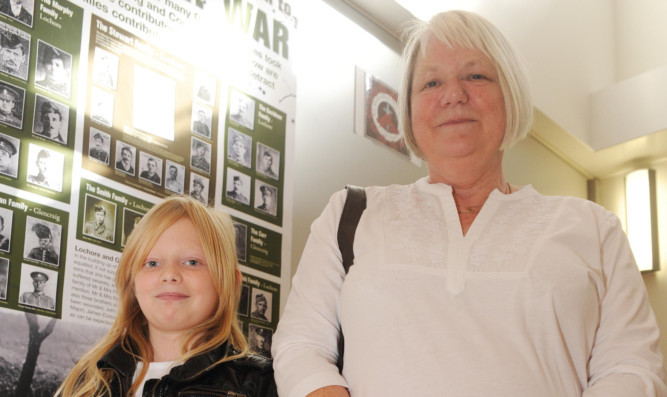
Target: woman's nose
453, 93
170, 274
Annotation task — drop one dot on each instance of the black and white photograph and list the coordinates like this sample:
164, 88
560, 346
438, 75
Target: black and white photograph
238, 186
201, 120
261, 304
101, 106
42, 241
105, 68
53, 70
51, 119
45, 167
204, 88
125, 157
19, 10
151, 168
242, 109
14, 51
99, 218
38, 287
6, 219
241, 232
4, 277
200, 155
12, 104
130, 220
268, 161
99, 146
199, 187
174, 177
244, 300
259, 340
9, 155
239, 147
266, 198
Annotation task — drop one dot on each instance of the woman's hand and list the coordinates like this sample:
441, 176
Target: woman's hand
330, 391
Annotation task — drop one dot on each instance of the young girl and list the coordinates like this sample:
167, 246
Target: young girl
176, 331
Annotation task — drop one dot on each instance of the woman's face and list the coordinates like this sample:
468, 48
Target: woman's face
457, 104
174, 287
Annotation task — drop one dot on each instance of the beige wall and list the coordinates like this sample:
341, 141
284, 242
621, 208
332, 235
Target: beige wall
612, 196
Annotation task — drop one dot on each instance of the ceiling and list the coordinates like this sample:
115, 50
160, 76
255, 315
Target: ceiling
388, 16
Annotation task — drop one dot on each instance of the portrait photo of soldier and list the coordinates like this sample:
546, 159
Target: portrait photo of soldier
125, 157
238, 186
261, 304
130, 220
174, 177
242, 109
4, 277
99, 145
20, 10
6, 219
45, 167
54, 69
204, 88
199, 187
244, 300
9, 157
99, 218
266, 198
42, 241
239, 147
14, 52
38, 287
105, 68
151, 168
51, 119
201, 120
12, 101
241, 233
268, 161
259, 340
200, 155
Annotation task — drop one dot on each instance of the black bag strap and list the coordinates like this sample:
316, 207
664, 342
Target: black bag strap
355, 204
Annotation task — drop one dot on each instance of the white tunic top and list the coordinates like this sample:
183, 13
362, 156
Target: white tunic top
541, 297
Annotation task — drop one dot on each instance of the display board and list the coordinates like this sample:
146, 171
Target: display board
107, 107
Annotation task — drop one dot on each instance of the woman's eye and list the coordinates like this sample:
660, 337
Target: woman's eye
431, 84
151, 264
477, 76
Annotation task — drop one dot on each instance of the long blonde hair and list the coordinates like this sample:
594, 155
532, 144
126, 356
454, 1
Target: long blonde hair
129, 330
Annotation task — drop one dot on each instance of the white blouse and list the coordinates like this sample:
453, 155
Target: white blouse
541, 297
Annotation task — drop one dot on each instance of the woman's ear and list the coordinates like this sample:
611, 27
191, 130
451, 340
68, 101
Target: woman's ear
239, 278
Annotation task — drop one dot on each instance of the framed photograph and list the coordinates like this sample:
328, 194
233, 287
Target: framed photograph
266, 198
199, 187
105, 68
200, 155
238, 186
45, 167
239, 147
42, 241
51, 119
268, 161
6, 219
125, 157
130, 220
99, 218
174, 177
53, 70
12, 104
4, 277
204, 88
242, 109
9, 155
99, 146
38, 287
21, 11
202, 118
376, 114
14, 51
151, 168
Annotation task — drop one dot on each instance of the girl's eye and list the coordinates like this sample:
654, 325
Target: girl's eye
431, 84
192, 262
477, 76
151, 264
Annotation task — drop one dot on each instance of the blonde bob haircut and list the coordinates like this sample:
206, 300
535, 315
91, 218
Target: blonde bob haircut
130, 328
469, 30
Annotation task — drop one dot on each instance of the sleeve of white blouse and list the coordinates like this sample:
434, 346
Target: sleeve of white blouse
626, 358
304, 347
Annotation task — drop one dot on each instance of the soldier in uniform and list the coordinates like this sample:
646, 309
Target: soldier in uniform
98, 152
37, 296
15, 9
236, 193
42, 161
51, 122
56, 77
197, 189
44, 252
151, 172
199, 160
12, 54
7, 150
8, 98
97, 228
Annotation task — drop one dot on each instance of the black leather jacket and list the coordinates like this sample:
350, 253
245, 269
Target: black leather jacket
251, 376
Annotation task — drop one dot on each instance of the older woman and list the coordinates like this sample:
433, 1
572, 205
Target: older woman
463, 284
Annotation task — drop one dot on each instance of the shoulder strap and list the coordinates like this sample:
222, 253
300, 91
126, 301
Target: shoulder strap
355, 204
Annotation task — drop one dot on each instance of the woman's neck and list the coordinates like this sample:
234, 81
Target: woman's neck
166, 346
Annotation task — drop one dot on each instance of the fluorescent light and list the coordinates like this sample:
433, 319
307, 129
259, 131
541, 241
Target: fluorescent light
641, 221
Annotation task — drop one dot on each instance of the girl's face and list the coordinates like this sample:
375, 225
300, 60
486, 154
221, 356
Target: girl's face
174, 287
